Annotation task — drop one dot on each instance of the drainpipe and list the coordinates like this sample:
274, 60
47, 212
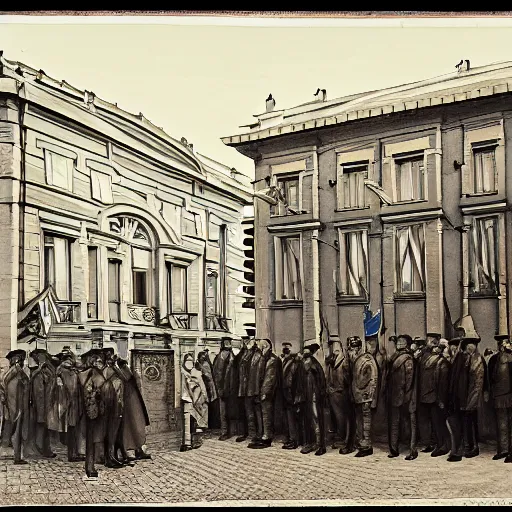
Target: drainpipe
465, 270
314, 253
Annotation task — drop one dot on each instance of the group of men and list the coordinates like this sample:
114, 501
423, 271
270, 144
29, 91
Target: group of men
92, 400
429, 390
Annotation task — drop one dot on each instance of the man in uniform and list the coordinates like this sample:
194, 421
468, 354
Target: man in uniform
42, 382
453, 348
14, 398
70, 403
271, 375
467, 378
211, 390
312, 390
252, 398
401, 396
236, 409
500, 380
222, 368
113, 408
338, 391
290, 364
243, 384
364, 384
430, 416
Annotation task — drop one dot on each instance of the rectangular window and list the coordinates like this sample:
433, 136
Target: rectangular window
101, 187
354, 263
410, 251
483, 257
410, 178
59, 170
212, 302
140, 287
177, 288
92, 291
288, 187
288, 284
351, 187
114, 290
57, 266
484, 169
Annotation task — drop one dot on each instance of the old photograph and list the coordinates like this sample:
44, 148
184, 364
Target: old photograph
255, 259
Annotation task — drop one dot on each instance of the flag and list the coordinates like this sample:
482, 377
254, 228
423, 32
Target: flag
324, 338
372, 322
36, 318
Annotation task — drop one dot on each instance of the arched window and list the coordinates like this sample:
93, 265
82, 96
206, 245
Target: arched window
138, 236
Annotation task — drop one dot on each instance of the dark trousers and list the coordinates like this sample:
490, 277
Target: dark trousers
503, 430
441, 434
91, 447
340, 407
43, 444
267, 413
315, 423
119, 445
292, 422
254, 416
426, 426
243, 425
363, 426
250, 415
463, 434
401, 420
223, 409
12, 434
72, 443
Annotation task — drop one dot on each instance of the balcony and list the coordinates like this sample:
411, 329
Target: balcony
186, 321
144, 314
216, 323
69, 312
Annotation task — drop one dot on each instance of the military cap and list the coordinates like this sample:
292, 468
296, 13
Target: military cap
14, 353
500, 338
94, 352
311, 345
454, 341
37, 351
108, 350
224, 340
466, 341
419, 341
433, 335
355, 341
286, 344
65, 355
408, 339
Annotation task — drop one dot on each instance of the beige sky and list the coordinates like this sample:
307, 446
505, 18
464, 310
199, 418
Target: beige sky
202, 82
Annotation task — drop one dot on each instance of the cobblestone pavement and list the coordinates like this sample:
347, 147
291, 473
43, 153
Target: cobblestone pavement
223, 471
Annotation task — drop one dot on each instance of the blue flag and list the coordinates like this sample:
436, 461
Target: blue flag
372, 322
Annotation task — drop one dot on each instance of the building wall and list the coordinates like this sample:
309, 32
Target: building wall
442, 135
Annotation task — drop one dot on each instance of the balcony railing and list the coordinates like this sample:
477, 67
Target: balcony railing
216, 323
144, 314
69, 312
187, 321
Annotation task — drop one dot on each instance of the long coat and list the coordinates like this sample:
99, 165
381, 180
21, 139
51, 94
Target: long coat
271, 378
338, 375
115, 405
42, 396
135, 417
222, 372
192, 393
311, 383
468, 379
290, 365
365, 377
500, 379
401, 380
244, 371
255, 371
14, 395
211, 390
67, 393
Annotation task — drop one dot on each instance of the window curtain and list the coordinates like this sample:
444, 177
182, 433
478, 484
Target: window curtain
292, 288
485, 168
411, 250
483, 259
410, 180
356, 263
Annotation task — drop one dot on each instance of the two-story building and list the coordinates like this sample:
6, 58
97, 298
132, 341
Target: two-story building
397, 199
139, 236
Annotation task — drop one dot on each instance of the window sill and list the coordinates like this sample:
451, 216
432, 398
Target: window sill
276, 216
489, 296
352, 208
481, 194
283, 304
411, 201
409, 296
351, 299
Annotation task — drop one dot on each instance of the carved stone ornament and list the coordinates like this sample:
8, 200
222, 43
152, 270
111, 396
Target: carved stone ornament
153, 372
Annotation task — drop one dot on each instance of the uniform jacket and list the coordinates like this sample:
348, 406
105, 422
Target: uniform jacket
500, 379
290, 364
401, 379
211, 390
311, 382
41, 395
364, 379
468, 378
243, 371
14, 394
338, 375
222, 372
255, 370
428, 377
271, 376
67, 394
116, 398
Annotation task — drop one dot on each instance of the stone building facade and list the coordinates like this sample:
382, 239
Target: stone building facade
397, 200
139, 236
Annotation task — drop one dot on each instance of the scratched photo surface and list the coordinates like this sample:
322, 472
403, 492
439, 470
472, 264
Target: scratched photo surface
252, 260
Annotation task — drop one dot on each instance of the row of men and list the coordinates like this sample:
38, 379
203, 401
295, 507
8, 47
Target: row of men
93, 400
430, 390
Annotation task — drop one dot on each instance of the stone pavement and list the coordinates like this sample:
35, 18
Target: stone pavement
226, 471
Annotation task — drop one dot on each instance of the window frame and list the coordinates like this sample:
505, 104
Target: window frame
475, 219
99, 176
279, 261
479, 147
343, 264
144, 272
348, 168
399, 292
93, 248
49, 170
69, 263
398, 159
118, 263
169, 267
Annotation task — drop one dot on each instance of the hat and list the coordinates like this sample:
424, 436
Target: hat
407, 338
454, 341
465, 341
93, 352
40, 351
433, 335
500, 338
224, 340
65, 355
419, 341
14, 353
108, 350
311, 345
286, 343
